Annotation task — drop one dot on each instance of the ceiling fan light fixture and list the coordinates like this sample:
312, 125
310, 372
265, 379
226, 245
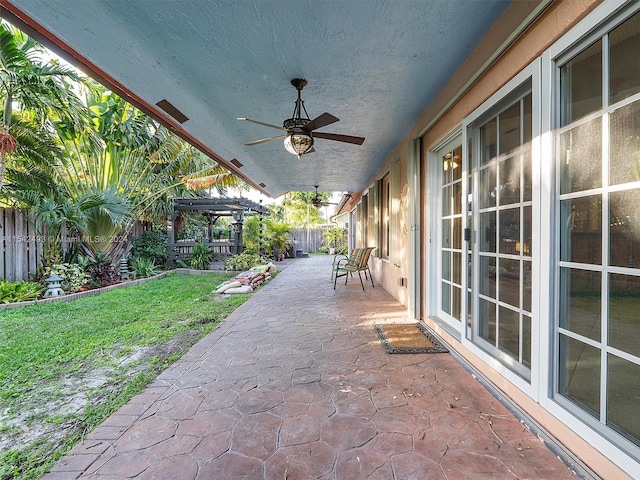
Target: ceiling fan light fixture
298, 143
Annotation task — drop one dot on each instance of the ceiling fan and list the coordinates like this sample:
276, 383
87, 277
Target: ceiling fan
317, 201
300, 131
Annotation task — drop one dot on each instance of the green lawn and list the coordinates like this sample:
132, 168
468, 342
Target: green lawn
66, 366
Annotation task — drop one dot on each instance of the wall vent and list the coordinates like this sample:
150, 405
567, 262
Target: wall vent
236, 162
262, 185
173, 111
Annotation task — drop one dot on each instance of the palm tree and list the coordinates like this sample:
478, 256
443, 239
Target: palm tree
300, 210
42, 89
35, 181
134, 165
279, 238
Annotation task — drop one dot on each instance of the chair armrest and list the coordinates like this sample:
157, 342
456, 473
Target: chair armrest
335, 258
340, 262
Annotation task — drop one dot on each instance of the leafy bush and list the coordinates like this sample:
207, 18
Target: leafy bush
100, 269
244, 261
142, 267
152, 245
253, 236
201, 257
11, 292
191, 226
73, 276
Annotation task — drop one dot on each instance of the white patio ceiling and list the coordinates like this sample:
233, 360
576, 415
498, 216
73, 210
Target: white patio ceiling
376, 65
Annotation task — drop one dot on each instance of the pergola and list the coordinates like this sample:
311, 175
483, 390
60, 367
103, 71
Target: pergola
212, 209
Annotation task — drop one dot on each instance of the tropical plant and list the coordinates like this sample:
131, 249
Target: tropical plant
335, 239
142, 267
191, 226
152, 245
11, 292
100, 269
42, 89
244, 261
99, 164
201, 257
253, 234
278, 238
299, 210
334, 236
73, 276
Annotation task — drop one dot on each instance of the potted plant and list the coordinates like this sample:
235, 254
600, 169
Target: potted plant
334, 238
279, 238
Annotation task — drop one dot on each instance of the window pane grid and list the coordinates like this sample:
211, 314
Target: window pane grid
598, 205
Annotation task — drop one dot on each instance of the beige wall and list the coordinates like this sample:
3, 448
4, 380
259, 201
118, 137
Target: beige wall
440, 118
560, 16
549, 27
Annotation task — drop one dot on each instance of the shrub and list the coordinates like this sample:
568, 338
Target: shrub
191, 226
100, 269
152, 244
73, 276
201, 257
253, 236
11, 292
142, 267
336, 238
244, 261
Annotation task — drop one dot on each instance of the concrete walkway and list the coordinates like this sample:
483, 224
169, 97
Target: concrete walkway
294, 385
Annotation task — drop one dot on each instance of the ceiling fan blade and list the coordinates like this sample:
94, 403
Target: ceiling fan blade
261, 123
263, 140
321, 121
339, 138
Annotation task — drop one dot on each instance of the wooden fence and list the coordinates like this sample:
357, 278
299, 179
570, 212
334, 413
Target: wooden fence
308, 240
21, 245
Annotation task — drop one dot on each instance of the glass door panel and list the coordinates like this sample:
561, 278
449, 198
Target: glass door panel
504, 237
598, 231
450, 219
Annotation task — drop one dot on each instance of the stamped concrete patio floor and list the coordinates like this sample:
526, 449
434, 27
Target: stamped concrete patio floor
294, 385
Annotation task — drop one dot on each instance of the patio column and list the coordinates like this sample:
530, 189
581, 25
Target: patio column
414, 215
171, 241
238, 216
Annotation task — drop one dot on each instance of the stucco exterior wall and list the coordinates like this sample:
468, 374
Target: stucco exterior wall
559, 17
391, 273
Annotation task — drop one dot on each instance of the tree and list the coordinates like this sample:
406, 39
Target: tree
299, 210
42, 89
